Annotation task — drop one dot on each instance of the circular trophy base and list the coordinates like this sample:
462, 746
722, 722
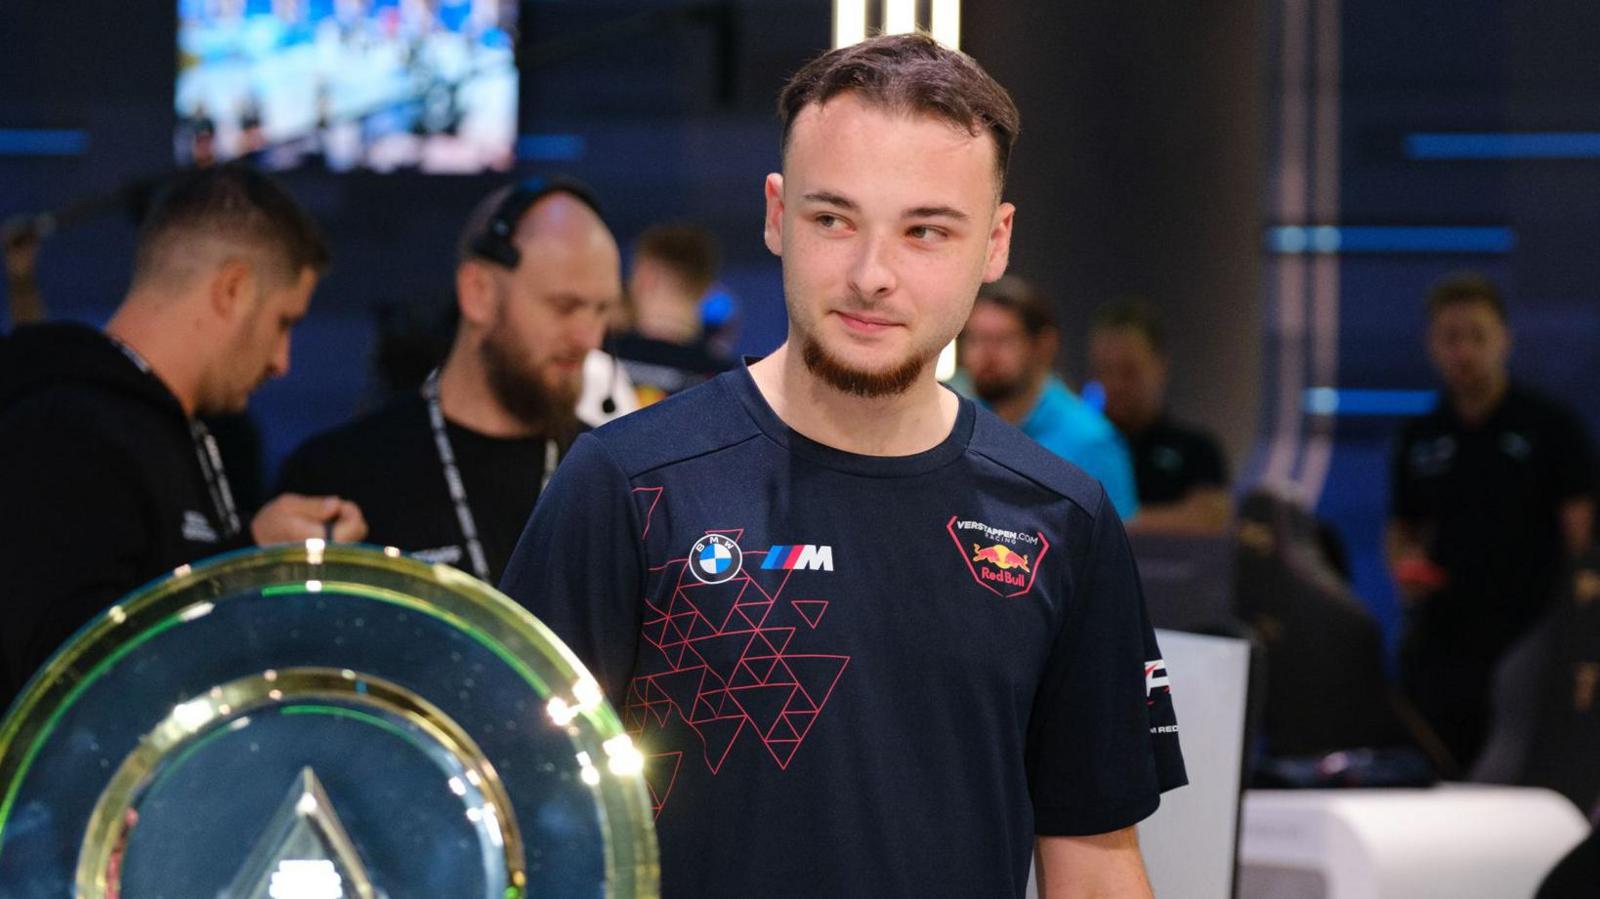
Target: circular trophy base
322, 722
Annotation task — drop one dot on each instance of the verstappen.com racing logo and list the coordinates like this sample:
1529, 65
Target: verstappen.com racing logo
1002, 561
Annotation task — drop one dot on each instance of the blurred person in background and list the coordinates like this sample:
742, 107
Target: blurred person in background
1490, 496
1180, 471
1008, 350
666, 350
107, 476
452, 471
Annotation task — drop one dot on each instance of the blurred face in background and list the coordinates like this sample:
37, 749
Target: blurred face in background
1002, 358
1470, 346
1132, 373
551, 310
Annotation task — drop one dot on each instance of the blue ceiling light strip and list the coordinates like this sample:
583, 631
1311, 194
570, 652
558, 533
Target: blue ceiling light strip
1489, 145
550, 148
1329, 239
42, 142
1336, 401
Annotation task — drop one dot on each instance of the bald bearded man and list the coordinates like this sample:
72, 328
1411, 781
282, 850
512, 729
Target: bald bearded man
451, 474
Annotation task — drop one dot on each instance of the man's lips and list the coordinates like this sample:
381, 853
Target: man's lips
866, 324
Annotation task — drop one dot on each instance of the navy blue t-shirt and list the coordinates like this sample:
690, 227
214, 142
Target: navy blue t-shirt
853, 675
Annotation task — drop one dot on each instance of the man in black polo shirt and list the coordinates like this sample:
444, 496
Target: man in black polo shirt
1181, 474
1490, 497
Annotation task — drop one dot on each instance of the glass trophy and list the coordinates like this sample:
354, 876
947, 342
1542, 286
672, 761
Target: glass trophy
319, 722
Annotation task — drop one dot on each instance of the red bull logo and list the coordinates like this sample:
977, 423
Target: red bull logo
1002, 560
1000, 556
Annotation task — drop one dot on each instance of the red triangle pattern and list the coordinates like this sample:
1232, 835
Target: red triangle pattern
722, 661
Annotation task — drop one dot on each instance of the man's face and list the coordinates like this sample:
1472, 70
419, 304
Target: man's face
887, 224
999, 355
1469, 345
259, 349
1132, 373
551, 311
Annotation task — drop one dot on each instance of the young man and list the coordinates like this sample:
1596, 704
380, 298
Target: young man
451, 473
1181, 474
872, 640
107, 478
1009, 349
1491, 495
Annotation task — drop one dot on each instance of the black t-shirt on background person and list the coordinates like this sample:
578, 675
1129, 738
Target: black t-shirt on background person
853, 675
1170, 460
388, 464
1487, 500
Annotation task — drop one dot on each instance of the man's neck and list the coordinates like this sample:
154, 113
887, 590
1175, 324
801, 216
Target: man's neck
907, 423
1475, 406
466, 399
168, 352
1017, 407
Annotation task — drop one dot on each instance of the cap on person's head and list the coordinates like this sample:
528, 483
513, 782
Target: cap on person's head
911, 74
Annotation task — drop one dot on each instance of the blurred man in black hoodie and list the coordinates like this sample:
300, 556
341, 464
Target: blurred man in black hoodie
107, 479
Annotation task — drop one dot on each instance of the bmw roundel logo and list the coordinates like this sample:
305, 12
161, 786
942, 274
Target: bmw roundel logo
715, 559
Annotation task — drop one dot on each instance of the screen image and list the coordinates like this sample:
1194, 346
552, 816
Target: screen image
427, 85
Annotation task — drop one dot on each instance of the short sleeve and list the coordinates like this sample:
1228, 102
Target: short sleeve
579, 565
1106, 459
1103, 739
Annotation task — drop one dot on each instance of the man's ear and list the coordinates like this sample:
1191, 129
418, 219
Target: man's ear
773, 230
232, 290
475, 293
999, 253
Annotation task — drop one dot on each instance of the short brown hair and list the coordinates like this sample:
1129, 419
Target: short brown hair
1021, 298
689, 250
235, 203
909, 73
1133, 314
1465, 287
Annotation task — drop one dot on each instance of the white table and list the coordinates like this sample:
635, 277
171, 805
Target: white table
1461, 841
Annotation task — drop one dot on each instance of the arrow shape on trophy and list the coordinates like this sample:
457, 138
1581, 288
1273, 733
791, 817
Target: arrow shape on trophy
304, 851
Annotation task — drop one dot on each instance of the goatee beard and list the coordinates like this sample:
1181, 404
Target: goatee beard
854, 381
524, 394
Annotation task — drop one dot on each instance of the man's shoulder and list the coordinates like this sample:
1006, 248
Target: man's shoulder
1185, 434
1029, 460
701, 420
1540, 407
400, 423
1068, 418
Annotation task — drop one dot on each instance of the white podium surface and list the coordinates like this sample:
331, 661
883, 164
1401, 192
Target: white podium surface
1462, 841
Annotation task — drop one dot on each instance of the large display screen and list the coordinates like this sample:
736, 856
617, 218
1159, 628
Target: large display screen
426, 85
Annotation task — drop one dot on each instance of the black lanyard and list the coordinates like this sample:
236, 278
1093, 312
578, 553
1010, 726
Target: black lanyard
452, 475
206, 453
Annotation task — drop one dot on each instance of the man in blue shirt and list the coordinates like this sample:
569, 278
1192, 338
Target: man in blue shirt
871, 640
1008, 349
